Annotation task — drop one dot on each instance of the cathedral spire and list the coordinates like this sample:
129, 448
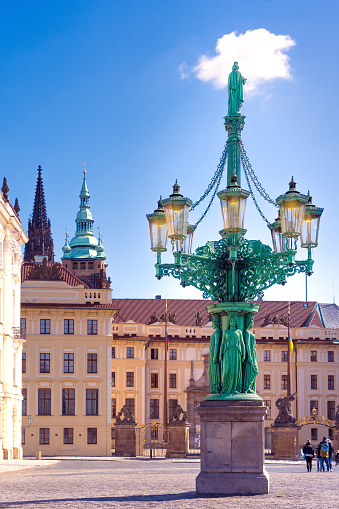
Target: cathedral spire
40, 243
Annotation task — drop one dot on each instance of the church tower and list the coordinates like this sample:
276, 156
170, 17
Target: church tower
84, 255
40, 242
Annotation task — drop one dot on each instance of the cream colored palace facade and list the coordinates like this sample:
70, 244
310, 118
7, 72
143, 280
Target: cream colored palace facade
12, 237
82, 364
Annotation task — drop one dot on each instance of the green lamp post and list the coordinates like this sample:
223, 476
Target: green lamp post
234, 271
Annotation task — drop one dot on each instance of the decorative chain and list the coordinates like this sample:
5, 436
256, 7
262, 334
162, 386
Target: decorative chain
215, 179
250, 188
217, 184
247, 165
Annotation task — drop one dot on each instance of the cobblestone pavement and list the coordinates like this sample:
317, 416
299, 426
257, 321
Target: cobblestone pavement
138, 483
11, 465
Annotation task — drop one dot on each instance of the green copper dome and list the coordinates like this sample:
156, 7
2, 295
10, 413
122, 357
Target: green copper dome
84, 245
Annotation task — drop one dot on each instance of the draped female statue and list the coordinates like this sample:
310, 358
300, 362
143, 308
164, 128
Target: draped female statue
232, 355
235, 90
214, 370
250, 366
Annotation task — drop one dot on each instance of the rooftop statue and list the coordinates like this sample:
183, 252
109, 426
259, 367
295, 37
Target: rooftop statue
235, 91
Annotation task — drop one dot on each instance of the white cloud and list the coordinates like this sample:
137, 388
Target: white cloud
261, 56
184, 70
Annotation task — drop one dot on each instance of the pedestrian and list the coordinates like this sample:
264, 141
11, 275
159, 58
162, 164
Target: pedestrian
308, 451
323, 449
330, 454
318, 458
336, 458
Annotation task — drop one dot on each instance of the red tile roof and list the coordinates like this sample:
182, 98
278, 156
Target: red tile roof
140, 311
66, 275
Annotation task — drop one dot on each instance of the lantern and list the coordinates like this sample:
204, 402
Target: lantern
187, 244
278, 240
292, 210
176, 213
233, 206
158, 228
310, 226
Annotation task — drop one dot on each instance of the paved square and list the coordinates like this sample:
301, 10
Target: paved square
141, 483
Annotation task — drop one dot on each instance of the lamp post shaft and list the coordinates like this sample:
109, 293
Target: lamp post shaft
165, 372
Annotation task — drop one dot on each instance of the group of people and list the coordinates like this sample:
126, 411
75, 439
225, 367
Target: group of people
324, 453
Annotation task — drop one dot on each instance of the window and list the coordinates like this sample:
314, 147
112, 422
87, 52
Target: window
68, 362
173, 354
44, 401
68, 435
113, 378
172, 381
268, 405
75, 265
267, 381
130, 352
154, 353
24, 362
129, 379
313, 356
284, 382
90, 265
24, 401
23, 436
314, 382
23, 323
267, 355
130, 403
314, 434
154, 381
68, 401
92, 363
45, 363
82, 265
284, 355
172, 405
92, 327
330, 382
154, 409
44, 436
45, 327
113, 352
330, 356
92, 437
330, 434
114, 407
331, 410
68, 326
313, 404
92, 396
112, 434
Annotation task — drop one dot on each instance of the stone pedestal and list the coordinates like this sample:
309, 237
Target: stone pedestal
232, 449
125, 439
285, 442
178, 436
335, 439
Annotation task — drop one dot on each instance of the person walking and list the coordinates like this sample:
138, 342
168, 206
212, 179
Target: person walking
323, 449
308, 450
330, 454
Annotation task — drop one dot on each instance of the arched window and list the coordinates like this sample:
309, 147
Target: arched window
75, 265
90, 265
82, 265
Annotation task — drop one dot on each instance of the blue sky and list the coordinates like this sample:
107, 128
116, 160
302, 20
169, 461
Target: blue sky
102, 81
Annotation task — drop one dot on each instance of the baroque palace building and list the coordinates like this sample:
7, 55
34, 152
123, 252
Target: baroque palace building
87, 355
12, 237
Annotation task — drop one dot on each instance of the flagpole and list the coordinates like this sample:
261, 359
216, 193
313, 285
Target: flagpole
165, 369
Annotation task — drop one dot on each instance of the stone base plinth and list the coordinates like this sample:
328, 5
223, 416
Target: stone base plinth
232, 449
125, 440
177, 440
285, 442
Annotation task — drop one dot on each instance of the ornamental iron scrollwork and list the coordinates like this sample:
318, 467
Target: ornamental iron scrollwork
315, 418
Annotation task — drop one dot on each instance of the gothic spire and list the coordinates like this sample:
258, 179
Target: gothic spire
40, 241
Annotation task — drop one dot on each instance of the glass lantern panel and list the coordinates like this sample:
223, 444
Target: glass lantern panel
278, 240
158, 234
176, 219
187, 245
309, 233
292, 215
233, 212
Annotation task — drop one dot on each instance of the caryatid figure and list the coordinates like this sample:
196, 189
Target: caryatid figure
235, 90
232, 355
250, 366
214, 368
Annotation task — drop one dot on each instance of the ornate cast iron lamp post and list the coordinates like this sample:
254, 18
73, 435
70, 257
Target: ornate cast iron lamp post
234, 271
